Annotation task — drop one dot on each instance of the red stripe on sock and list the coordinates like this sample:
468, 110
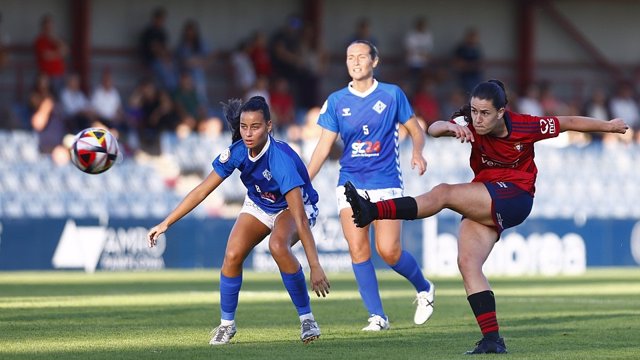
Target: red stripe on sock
381, 212
488, 322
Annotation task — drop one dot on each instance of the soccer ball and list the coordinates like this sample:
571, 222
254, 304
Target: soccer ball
94, 150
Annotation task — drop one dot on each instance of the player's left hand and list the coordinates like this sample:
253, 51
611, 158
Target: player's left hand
618, 126
319, 282
418, 161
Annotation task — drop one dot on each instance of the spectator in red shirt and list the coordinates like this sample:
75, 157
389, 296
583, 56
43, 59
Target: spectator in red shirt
282, 104
50, 52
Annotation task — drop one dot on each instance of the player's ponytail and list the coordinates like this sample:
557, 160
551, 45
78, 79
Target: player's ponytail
464, 111
231, 111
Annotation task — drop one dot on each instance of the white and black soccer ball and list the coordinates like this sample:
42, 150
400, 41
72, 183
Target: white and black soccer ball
94, 150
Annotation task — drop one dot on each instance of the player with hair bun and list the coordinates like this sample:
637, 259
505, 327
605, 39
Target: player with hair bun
367, 115
280, 202
499, 197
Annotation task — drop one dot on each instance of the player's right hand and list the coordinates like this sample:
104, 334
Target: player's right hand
618, 126
463, 133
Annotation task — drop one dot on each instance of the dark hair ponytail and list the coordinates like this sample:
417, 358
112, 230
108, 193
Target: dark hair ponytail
257, 103
464, 111
231, 111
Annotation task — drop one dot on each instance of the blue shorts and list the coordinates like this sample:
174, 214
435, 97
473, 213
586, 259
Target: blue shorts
510, 205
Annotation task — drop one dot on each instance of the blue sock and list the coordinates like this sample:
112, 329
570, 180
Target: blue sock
229, 291
297, 287
408, 267
368, 287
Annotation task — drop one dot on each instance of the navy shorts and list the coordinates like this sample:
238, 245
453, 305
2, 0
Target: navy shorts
510, 205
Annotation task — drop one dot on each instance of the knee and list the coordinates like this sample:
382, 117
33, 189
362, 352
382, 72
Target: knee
467, 264
279, 247
441, 192
390, 255
233, 259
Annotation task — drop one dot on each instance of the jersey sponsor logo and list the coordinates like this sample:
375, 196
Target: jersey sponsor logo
269, 196
346, 111
267, 174
224, 156
547, 126
379, 107
518, 147
365, 149
495, 163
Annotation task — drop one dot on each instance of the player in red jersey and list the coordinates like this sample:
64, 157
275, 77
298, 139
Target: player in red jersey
499, 197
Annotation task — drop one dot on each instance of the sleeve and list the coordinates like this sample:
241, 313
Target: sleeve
405, 111
285, 172
327, 118
547, 127
225, 163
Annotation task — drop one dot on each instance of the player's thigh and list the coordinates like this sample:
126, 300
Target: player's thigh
246, 233
284, 230
471, 200
357, 238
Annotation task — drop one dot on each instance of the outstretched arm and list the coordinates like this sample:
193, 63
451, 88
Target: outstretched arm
417, 138
447, 128
193, 198
321, 152
587, 124
319, 281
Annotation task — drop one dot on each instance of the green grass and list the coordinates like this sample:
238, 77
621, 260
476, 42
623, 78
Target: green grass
168, 315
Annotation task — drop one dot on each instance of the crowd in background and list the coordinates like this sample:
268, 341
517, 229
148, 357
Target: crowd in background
286, 67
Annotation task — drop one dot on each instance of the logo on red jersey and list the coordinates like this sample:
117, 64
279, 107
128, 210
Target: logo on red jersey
547, 126
519, 147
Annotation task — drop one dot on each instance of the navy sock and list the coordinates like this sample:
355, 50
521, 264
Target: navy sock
297, 288
368, 286
408, 267
229, 291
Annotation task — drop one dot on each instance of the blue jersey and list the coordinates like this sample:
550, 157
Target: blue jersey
269, 175
368, 125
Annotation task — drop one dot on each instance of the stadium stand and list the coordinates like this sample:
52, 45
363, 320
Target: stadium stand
597, 180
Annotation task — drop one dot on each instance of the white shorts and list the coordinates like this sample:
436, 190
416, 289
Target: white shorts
374, 195
250, 207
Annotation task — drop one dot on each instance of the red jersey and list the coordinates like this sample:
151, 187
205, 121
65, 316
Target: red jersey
510, 159
51, 67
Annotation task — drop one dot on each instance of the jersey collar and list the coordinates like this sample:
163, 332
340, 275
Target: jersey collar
365, 93
264, 150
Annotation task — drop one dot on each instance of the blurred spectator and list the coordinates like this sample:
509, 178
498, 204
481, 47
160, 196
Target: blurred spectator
282, 104
259, 88
154, 39
418, 46
47, 118
425, 102
244, 74
362, 32
529, 103
284, 50
468, 60
156, 55
551, 104
50, 52
313, 66
76, 106
193, 56
453, 102
259, 54
107, 103
211, 127
597, 105
623, 105
153, 109
189, 110
4, 46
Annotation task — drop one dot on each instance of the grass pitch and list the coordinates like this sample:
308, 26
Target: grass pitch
168, 315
